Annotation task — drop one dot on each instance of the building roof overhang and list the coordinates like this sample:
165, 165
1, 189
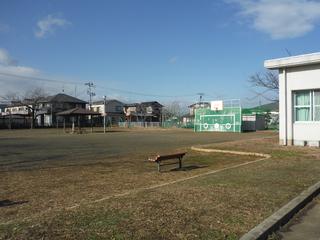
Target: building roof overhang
294, 61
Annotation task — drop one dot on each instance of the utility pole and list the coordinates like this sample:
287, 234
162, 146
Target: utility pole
90, 92
104, 114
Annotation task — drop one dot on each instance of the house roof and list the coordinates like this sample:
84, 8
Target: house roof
144, 104
101, 102
294, 61
131, 104
198, 103
61, 97
77, 111
151, 103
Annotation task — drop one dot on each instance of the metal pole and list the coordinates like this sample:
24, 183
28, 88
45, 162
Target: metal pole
104, 114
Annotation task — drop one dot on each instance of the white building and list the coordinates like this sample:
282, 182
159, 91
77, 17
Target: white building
299, 99
113, 110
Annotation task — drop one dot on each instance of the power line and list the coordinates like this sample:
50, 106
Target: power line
79, 83
38, 79
144, 94
100, 86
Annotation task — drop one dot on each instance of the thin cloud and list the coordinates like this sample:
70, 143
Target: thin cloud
173, 59
48, 25
4, 27
280, 19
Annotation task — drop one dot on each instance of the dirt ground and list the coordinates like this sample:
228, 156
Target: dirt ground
95, 186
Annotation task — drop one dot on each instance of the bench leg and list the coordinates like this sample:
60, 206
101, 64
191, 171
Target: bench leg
180, 162
158, 166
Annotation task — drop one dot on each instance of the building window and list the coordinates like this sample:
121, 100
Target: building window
316, 105
149, 109
307, 106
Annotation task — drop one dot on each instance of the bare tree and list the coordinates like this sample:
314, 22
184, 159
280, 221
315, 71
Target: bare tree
10, 97
267, 84
173, 109
31, 100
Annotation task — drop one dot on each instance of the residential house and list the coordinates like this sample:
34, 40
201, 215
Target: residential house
113, 110
188, 119
143, 112
17, 108
15, 115
48, 107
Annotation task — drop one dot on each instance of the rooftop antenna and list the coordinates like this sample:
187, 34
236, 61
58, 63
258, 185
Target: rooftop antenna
200, 97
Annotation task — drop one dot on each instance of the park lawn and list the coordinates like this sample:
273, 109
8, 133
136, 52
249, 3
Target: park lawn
62, 198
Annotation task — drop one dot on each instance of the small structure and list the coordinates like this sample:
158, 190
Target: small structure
299, 99
253, 122
76, 114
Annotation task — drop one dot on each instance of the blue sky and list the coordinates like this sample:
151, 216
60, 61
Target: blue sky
167, 50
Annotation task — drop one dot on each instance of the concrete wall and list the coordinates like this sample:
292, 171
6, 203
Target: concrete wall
290, 80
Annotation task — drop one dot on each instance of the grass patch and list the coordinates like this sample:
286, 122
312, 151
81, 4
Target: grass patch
223, 205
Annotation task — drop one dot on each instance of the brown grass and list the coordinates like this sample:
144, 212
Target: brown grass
218, 206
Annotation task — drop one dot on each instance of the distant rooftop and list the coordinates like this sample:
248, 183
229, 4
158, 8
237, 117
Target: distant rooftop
198, 104
294, 61
61, 97
100, 102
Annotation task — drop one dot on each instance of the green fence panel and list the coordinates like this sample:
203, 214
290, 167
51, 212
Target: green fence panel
226, 120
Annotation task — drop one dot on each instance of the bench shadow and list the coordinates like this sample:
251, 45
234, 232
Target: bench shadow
7, 203
188, 168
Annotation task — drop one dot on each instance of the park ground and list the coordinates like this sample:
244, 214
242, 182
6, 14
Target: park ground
101, 186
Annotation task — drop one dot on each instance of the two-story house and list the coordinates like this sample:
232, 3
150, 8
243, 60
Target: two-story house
113, 110
143, 112
48, 107
188, 119
17, 108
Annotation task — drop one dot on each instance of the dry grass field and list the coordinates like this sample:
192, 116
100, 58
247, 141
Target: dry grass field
101, 186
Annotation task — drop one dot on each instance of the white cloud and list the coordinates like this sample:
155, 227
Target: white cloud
48, 25
18, 70
10, 65
5, 58
173, 59
10, 71
281, 18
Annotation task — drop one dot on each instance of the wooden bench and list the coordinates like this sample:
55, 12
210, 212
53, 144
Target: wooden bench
159, 158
